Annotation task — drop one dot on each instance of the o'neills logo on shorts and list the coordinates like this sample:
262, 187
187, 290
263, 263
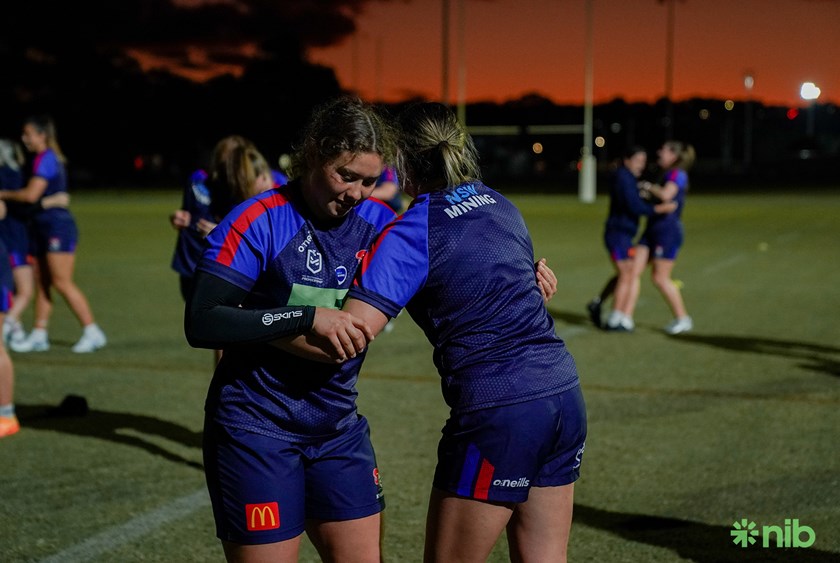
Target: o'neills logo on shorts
264, 516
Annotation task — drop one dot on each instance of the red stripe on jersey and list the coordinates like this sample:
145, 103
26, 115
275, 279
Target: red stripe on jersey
369, 254
243, 222
382, 203
485, 478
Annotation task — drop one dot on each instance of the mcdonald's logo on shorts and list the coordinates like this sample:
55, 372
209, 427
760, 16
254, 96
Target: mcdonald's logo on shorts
264, 516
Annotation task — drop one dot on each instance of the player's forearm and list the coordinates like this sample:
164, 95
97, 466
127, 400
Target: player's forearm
214, 319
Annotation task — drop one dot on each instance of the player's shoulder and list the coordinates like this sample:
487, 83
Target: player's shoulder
198, 176
47, 158
272, 202
376, 212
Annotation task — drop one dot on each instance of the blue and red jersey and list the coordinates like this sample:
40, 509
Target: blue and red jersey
626, 206
48, 166
198, 200
667, 223
272, 247
14, 226
461, 262
190, 244
7, 284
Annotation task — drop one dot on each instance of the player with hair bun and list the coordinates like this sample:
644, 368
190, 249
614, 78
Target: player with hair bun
621, 227
663, 237
460, 260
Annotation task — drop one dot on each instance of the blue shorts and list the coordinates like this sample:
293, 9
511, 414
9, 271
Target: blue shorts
663, 245
15, 234
57, 235
263, 489
7, 284
619, 245
499, 453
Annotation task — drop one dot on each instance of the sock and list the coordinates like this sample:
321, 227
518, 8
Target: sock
7, 411
92, 328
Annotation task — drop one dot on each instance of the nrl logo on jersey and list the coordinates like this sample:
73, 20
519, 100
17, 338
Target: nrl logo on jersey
314, 261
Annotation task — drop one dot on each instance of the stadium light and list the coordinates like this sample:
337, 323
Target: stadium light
809, 92
749, 82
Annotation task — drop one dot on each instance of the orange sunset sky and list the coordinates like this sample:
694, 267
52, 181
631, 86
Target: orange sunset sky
514, 47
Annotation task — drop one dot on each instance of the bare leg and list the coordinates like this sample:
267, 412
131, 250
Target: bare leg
661, 277
640, 261
24, 279
43, 297
7, 374
61, 265
539, 529
280, 552
347, 541
462, 530
623, 289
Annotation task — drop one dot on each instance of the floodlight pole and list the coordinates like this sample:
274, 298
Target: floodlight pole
809, 92
586, 179
749, 81
444, 86
462, 66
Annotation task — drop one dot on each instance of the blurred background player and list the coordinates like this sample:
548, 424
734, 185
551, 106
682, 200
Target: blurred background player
661, 241
622, 225
55, 236
388, 189
237, 172
8, 421
14, 232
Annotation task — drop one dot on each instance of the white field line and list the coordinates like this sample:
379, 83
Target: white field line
118, 536
723, 264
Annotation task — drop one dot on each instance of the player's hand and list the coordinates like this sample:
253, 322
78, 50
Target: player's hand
343, 336
180, 219
205, 227
546, 280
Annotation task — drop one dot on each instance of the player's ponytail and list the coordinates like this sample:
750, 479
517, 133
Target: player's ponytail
44, 124
685, 154
437, 150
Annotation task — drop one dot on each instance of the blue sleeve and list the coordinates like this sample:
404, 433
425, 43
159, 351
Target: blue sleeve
243, 245
279, 178
376, 212
48, 166
679, 177
397, 266
630, 194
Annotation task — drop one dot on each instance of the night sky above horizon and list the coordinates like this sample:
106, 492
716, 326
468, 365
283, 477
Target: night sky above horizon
518, 47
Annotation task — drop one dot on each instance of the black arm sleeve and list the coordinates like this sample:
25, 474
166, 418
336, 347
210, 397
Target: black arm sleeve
213, 318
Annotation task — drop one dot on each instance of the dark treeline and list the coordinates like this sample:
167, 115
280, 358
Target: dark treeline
119, 125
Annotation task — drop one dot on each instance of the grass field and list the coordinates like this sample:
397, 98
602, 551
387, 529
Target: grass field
739, 419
